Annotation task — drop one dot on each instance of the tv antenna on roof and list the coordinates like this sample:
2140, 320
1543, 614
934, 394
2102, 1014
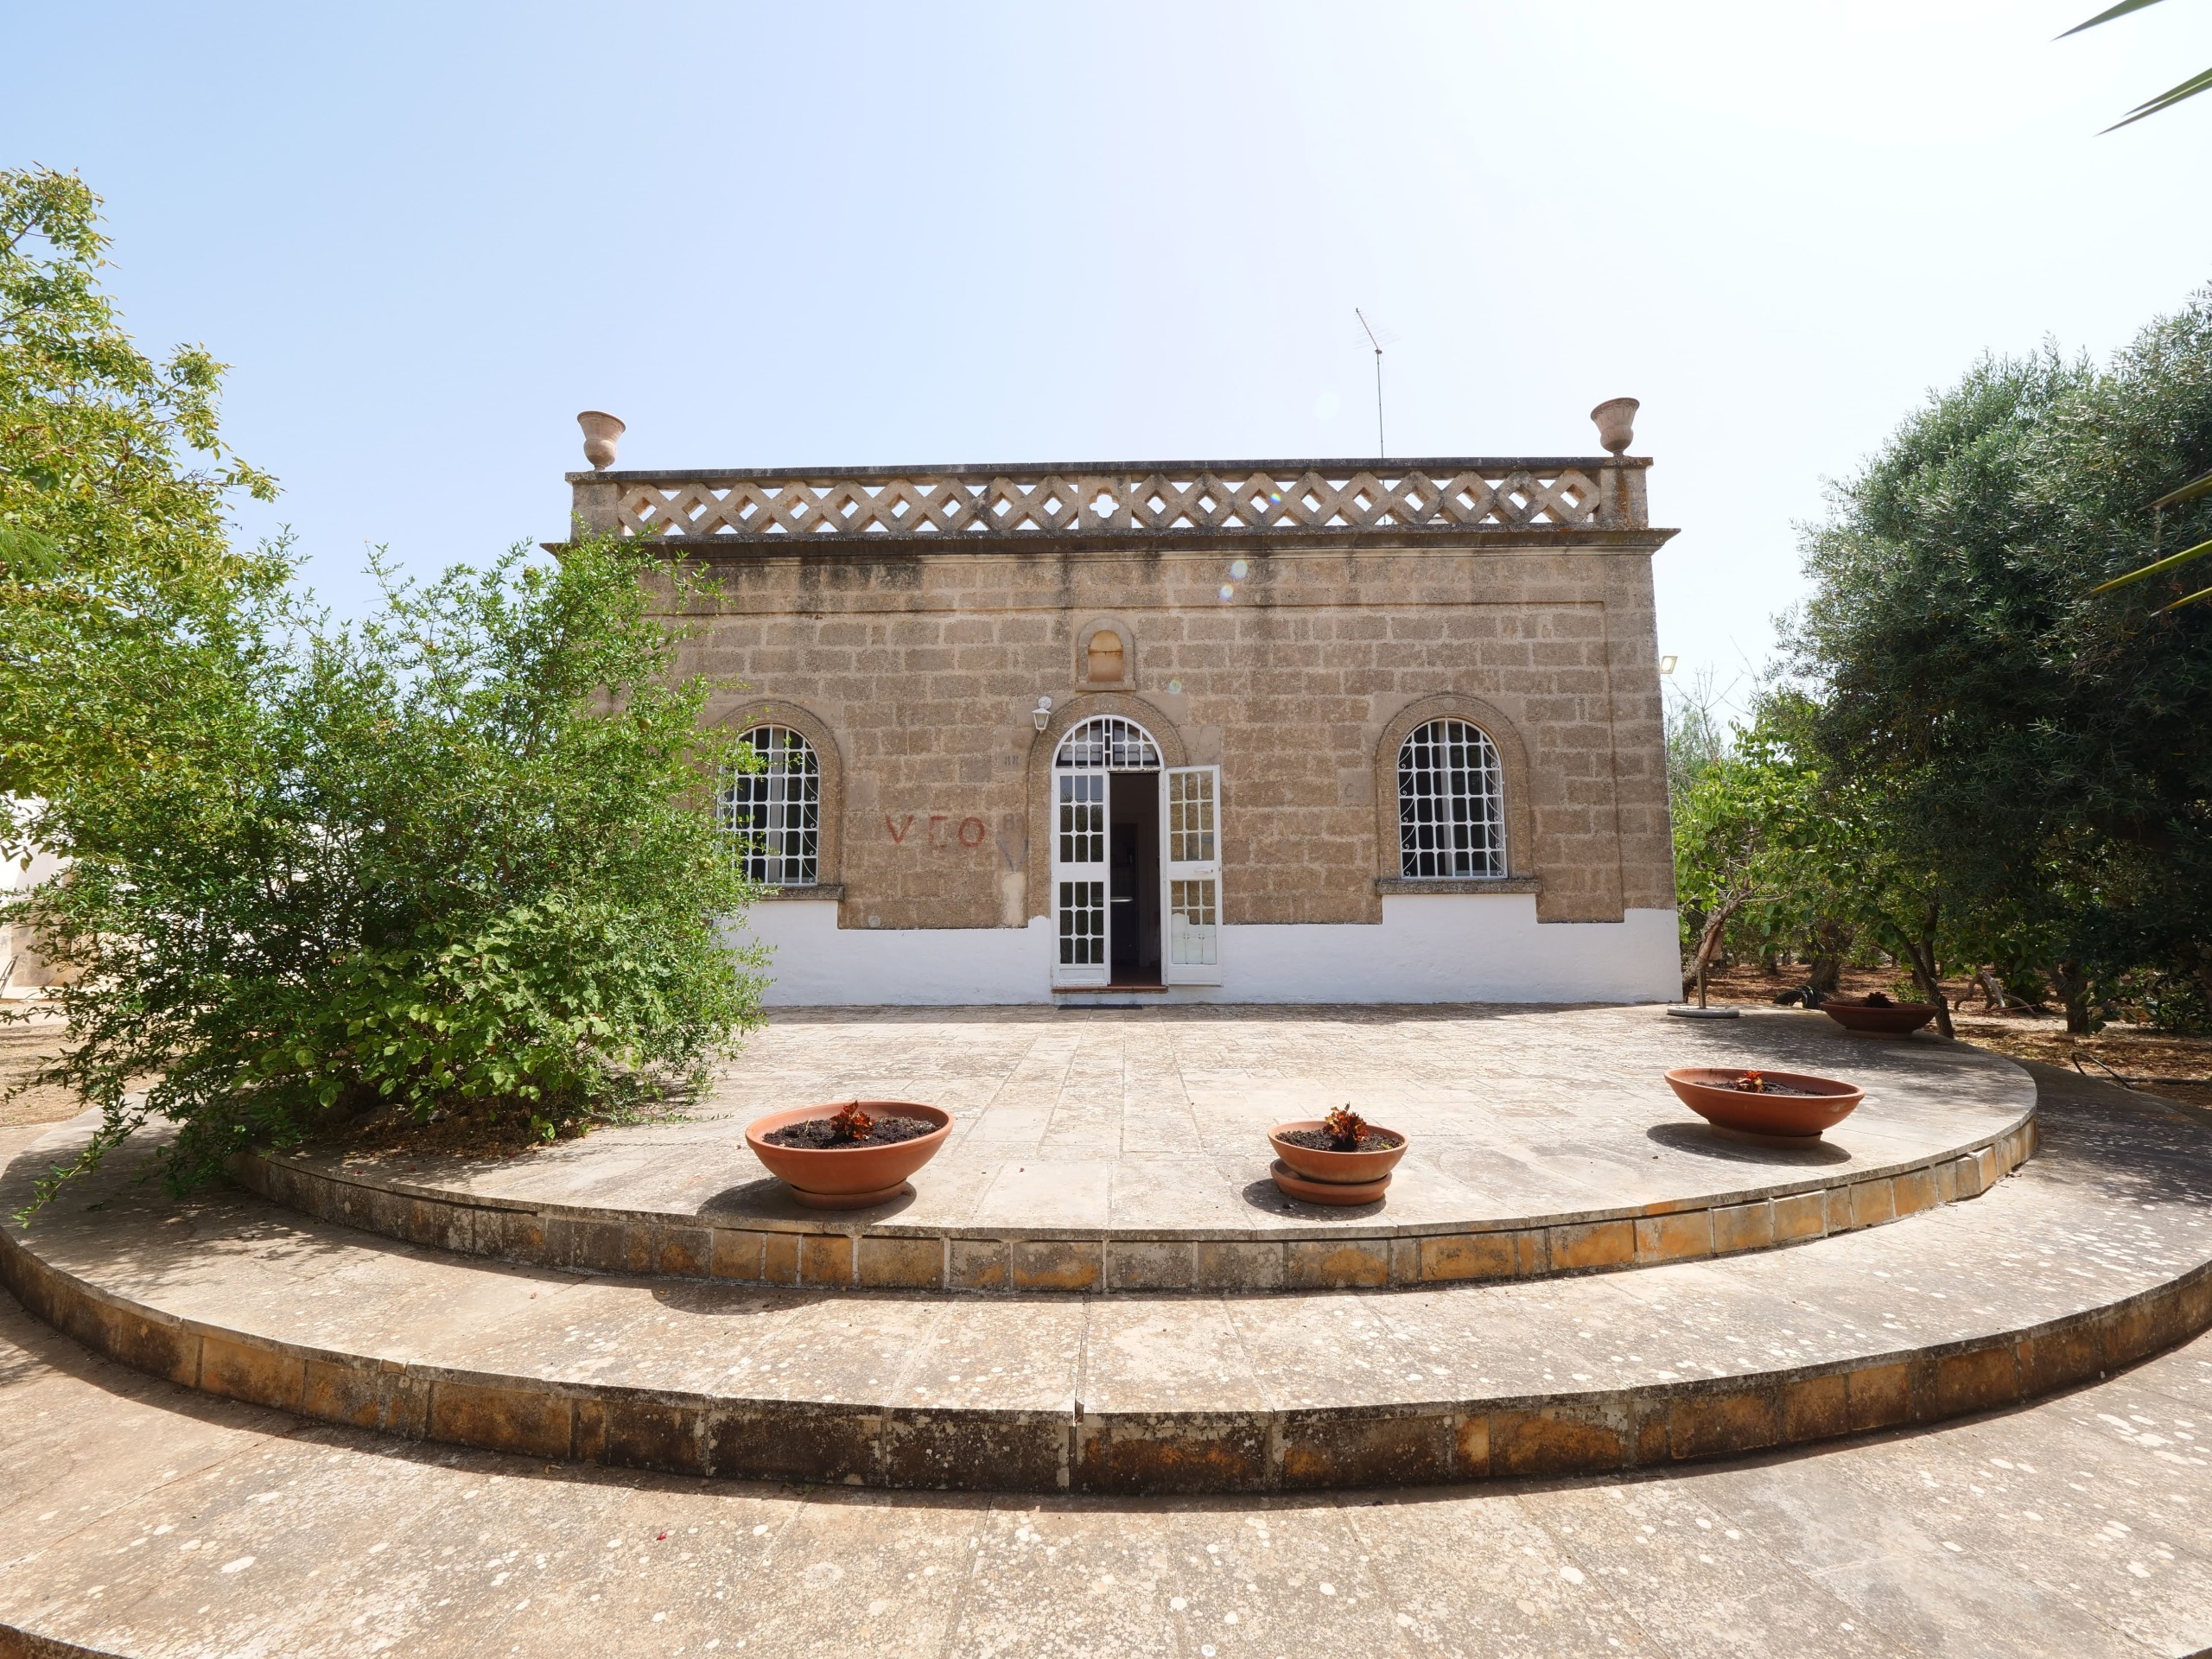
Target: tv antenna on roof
1378, 337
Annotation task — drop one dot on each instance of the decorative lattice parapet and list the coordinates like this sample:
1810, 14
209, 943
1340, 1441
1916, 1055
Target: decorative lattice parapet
1306, 498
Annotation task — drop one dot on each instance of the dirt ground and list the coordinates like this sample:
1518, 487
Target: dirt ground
23, 1049
2149, 1061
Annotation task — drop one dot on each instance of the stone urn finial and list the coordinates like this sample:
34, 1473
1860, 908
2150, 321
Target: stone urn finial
1616, 419
602, 432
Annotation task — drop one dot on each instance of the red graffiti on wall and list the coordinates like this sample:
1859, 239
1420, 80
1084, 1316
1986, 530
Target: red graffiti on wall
969, 832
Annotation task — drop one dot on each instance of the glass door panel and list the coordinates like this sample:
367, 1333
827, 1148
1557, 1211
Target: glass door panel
1079, 875
1189, 874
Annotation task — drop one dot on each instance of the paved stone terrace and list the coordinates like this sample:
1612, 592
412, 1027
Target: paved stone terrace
1109, 1150
141, 1519
2098, 1252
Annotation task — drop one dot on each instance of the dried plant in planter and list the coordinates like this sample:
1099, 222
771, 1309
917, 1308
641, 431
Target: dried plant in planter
849, 1126
1343, 1130
848, 1157
1341, 1158
1343, 1127
1758, 1083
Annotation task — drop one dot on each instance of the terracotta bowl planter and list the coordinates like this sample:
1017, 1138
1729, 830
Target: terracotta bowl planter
848, 1177
1895, 1021
1331, 1177
1788, 1120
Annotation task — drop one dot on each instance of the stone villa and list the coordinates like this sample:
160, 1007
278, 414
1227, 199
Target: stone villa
1245, 731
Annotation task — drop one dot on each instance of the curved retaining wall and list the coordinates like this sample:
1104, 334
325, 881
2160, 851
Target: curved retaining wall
1228, 1450
820, 1252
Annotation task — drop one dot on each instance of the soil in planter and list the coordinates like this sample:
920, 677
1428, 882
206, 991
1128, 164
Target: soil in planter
1774, 1088
1373, 1140
820, 1133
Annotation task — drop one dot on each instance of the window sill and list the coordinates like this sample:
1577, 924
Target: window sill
1396, 886
834, 891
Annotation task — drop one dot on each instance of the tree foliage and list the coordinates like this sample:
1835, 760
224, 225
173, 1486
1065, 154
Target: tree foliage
113, 486
461, 858
2023, 746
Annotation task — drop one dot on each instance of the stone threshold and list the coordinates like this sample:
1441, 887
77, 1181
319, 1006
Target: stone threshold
819, 1252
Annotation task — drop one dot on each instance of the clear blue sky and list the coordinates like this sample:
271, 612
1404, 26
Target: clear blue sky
425, 235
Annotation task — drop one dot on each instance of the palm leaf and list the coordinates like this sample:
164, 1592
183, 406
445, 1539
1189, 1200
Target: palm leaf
2164, 100
2188, 492
2108, 14
2171, 562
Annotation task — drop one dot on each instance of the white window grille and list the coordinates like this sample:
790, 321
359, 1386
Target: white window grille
1190, 817
777, 809
1108, 743
1083, 923
1082, 820
1451, 803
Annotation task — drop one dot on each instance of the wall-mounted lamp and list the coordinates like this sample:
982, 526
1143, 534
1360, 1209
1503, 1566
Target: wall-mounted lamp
1042, 713
1666, 665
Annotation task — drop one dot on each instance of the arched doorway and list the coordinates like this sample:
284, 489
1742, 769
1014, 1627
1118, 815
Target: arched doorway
1136, 862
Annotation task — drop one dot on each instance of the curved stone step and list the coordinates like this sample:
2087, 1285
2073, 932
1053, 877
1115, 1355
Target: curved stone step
144, 1521
1563, 1153
2099, 1253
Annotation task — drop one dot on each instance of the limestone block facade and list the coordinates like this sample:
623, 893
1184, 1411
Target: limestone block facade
1291, 677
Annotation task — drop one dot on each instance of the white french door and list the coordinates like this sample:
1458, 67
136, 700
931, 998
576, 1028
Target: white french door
1079, 877
1190, 875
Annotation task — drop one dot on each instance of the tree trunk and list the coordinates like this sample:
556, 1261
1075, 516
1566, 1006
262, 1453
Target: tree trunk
1709, 942
1922, 951
2073, 985
1830, 943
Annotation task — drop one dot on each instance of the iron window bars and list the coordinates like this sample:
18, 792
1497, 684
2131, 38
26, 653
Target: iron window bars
1451, 803
777, 809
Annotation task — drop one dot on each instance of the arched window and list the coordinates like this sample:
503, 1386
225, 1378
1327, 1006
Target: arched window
1108, 743
777, 807
1451, 803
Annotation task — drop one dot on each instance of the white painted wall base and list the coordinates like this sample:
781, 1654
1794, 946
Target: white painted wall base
1458, 947
819, 964
27, 974
1430, 947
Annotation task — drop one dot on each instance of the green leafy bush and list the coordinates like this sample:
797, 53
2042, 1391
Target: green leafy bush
459, 858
